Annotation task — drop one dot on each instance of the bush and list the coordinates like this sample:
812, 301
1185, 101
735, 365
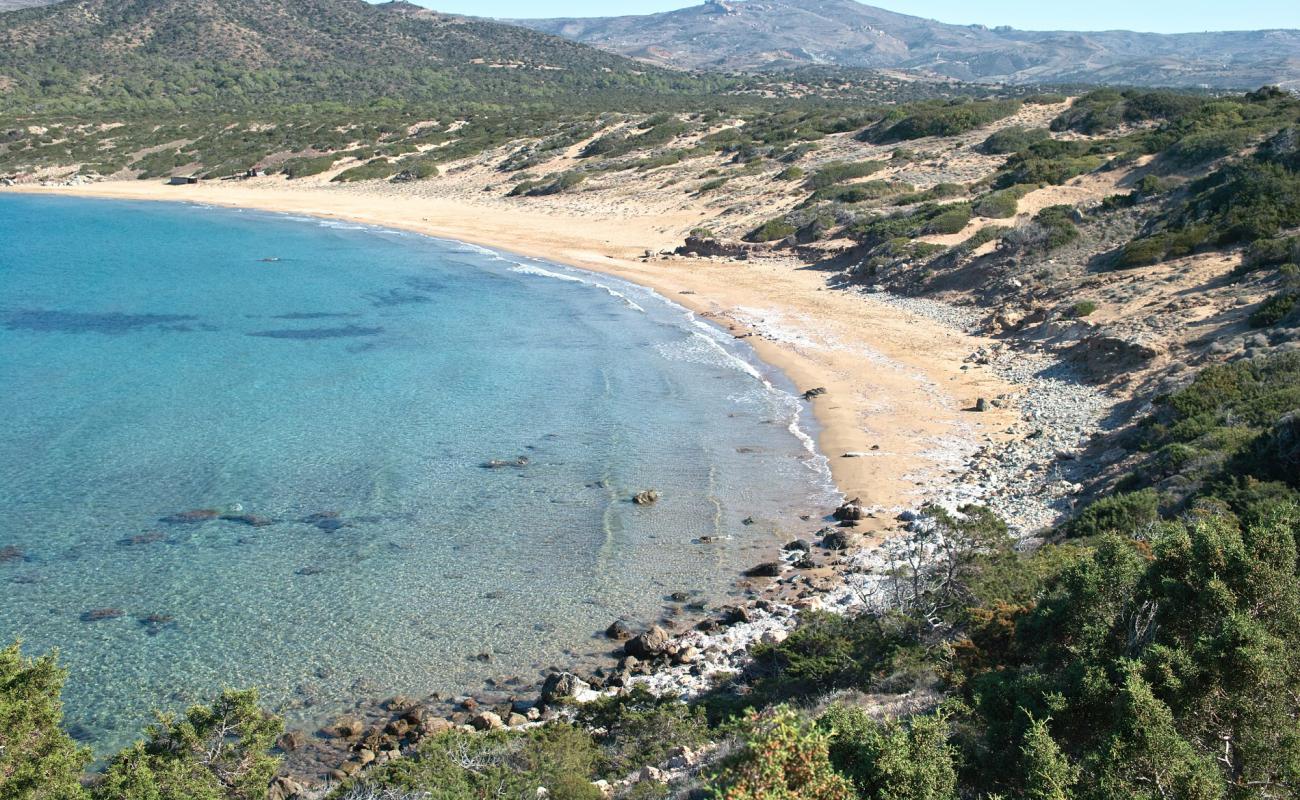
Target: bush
953, 219
785, 758
1274, 309
841, 171
1083, 308
911, 761
38, 761
377, 169
220, 752
305, 167
771, 231
790, 174
1060, 228
1002, 203
639, 728
554, 184
468, 766
939, 118
1013, 139
1121, 513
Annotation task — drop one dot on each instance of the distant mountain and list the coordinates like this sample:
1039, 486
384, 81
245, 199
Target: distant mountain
768, 34
234, 51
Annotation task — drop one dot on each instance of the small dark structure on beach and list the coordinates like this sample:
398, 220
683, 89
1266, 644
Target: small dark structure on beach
183, 180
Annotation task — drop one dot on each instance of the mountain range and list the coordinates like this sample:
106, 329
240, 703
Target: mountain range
229, 53
749, 35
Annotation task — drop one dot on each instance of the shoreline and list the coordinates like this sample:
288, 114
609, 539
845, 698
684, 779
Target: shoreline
897, 398
895, 428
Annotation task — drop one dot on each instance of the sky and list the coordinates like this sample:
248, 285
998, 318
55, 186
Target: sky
1165, 16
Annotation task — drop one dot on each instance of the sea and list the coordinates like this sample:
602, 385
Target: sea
331, 461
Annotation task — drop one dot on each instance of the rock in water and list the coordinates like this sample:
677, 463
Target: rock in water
769, 569
648, 645
647, 498
811, 393
618, 631
561, 686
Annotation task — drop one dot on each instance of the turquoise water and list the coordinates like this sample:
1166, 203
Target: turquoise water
334, 391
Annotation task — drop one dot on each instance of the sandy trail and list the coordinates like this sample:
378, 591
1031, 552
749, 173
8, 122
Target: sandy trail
897, 395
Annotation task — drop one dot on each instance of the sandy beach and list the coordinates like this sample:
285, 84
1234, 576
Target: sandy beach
896, 419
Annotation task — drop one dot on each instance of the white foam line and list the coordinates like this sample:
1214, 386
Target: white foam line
816, 461
525, 269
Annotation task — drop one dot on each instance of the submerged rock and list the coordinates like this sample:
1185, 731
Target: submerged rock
191, 517
99, 614
148, 537
10, 553
647, 498
251, 520
520, 462
155, 624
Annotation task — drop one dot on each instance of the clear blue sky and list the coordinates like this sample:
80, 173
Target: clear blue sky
1168, 16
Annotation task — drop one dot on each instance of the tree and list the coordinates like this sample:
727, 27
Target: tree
892, 760
1048, 773
38, 761
217, 752
785, 758
1147, 758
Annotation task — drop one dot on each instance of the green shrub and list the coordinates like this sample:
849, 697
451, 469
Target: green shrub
841, 171
953, 219
1013, 139
217, 752
791, 173
1058, 226
639, 728
1274, 309
377, 169
712, 185
459, 765
892, 759
1121, 513
785, 758
38, 761
1083, 308
939, 118
305, 167
554, 184
771, 231
984, 235
1002, 203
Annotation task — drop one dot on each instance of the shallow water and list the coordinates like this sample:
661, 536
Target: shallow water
335, 391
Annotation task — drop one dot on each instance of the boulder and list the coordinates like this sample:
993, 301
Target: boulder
561, 686
487, 721
798, 544
291, 740
618, 631
849, 511
768, 569
649, 645
346, 728
833, 539
811, 393
283, 788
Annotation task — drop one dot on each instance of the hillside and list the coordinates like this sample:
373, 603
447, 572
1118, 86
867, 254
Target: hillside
189, 53
768, 34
